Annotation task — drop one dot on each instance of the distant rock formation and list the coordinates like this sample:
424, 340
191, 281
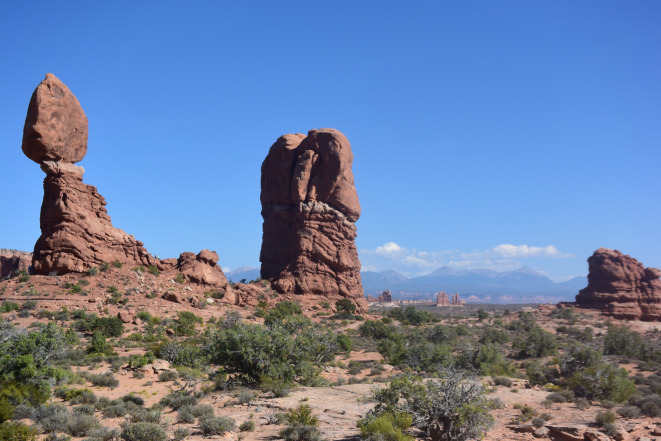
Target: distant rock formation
622, 287
12, 261
76, 230
442, 299
310, 206
384, 297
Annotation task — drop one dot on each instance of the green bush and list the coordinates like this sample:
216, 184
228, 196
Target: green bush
15, 431
154, 270
603, 418
185, 323
247, 426
538, 343
345, 305
386, 426
301, 425
143, 432
213, 425
168, 376
623, 341
454, 407
81, 424
9, 306
604, 382
344, 343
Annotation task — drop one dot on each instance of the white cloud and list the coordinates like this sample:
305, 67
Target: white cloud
411, 262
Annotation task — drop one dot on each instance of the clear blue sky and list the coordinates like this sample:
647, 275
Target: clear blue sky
474, 125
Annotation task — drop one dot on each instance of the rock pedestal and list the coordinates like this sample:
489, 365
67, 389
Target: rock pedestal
310, 206
622, 287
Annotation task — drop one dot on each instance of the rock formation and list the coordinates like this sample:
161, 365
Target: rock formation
76, 230
622, 287
442, 299
384, 297
310, 206
12, 261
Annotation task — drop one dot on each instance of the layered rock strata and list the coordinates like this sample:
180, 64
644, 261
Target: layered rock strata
310, 206
622, 287
12, 262
76, 230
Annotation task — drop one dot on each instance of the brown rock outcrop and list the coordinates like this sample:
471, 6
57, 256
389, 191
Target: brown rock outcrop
310, 206
11, 262
442, 299
622, 287
76, 230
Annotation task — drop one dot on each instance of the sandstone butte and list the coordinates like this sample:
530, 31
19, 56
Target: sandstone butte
621, 287
76, 230
310, 206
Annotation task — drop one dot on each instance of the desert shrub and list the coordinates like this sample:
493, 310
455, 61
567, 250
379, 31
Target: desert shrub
52, 417
231, 319
494, 335
181, 433
29, 305
153, 270
577, 358
344, 343
563, 396
15, 431
628, 412
143, 432
487, 358
247, 426
168, 376
301, 425
650, 409
502, 381
81, 424
6, 410
141, 415
185, 415
24, 313
244, 397
132, 398
538, 422
282, 311
181, 354
623, 341
538, 343
256, 352
137, 361
76, 396
411, 316
603, 382
117, 264
26, 362
116, 409
582, 403
540, 374
603, 418
213, 425
386, 426
106, 379
279, 388
455, 404
86, 409
185, 323
110, 326
104, 434
99, 345
178, 400
345, 305
9, 306
441, 334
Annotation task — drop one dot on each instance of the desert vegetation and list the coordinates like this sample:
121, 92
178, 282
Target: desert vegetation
439, 373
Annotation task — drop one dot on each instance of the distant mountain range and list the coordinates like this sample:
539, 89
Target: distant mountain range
475, 285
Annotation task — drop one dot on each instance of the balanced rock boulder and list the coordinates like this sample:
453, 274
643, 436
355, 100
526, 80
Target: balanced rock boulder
622, 287
76, 231
310, 206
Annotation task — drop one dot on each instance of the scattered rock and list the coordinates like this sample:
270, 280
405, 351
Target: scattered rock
125, 316
202, 268
310, 206
594, 435
541, 432
622, 287
172, 297
568, 432
160, 365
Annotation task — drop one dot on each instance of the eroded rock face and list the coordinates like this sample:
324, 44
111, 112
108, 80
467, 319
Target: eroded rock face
622, 287
310, 206
76, 230
11, 262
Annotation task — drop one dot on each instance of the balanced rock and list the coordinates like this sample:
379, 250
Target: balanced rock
310, 206
622, 287
56, 126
